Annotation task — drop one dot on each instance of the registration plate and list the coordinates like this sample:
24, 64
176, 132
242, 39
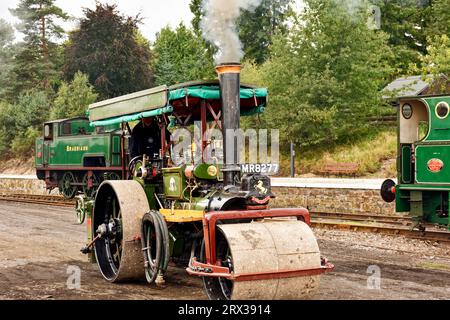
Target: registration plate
262, 168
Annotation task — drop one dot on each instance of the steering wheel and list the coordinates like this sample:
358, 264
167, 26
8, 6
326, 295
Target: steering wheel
133, 163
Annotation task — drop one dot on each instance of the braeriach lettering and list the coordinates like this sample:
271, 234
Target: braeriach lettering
76, 148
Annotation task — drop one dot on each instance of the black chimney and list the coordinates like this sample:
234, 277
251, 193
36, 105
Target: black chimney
230, 84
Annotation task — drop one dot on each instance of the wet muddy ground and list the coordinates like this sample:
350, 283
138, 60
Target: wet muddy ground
39, 251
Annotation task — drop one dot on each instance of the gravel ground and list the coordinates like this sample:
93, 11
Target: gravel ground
39, 246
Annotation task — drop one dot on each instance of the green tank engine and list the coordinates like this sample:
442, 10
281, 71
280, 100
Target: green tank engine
423, 160
76, 157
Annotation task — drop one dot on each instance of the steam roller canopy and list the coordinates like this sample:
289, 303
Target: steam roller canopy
272, 245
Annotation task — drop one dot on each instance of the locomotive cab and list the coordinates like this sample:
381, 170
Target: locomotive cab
413, 128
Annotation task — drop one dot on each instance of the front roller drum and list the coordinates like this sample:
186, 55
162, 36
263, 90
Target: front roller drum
118, 211
269, 247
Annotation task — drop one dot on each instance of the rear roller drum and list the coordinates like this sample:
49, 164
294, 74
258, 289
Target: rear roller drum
268, 246
118, 211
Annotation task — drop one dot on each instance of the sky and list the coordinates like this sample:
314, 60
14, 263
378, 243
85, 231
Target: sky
156, 14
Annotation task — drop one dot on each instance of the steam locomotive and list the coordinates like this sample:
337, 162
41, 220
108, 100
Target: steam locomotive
423, 160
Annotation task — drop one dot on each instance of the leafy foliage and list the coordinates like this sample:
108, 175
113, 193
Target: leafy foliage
35, 65
439, 18
405, 21
180, 56
73, 98
20, 122
436, 64
106, 49
256, 27
22, 144
6, 55
325, 77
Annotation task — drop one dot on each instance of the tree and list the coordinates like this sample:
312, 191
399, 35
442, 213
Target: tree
256, 27
6, 55
196, 7
180, 56
436, 64
21, 122
439, 21
325, 76
36, 64
405, 21
73, 99
105, 48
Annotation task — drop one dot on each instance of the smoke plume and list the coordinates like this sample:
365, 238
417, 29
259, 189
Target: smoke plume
219, 26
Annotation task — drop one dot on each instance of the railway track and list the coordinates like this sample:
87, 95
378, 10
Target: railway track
394, 225
397, 219
51, 200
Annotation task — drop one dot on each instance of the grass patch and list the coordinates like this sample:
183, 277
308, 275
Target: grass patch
371, 152
434, 266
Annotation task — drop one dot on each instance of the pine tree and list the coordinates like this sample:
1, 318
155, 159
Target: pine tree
35, 65
6, 55
196, 9
180, 56
257, 27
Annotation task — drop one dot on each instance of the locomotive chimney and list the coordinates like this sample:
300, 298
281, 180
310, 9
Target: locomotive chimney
229, 76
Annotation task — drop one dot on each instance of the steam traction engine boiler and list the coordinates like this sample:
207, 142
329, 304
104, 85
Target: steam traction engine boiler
206, 217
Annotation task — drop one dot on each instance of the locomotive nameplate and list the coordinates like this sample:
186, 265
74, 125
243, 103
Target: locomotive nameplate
77, 148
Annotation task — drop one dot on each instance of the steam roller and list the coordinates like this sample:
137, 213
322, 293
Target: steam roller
211, 218
261, 255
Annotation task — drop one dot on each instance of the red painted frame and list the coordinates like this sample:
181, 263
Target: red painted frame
212, 266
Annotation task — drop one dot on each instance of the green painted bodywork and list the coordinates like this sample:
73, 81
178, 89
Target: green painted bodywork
421, 192
73, 142
175, 184
439, 128
201, 172
406, 164
424, 153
